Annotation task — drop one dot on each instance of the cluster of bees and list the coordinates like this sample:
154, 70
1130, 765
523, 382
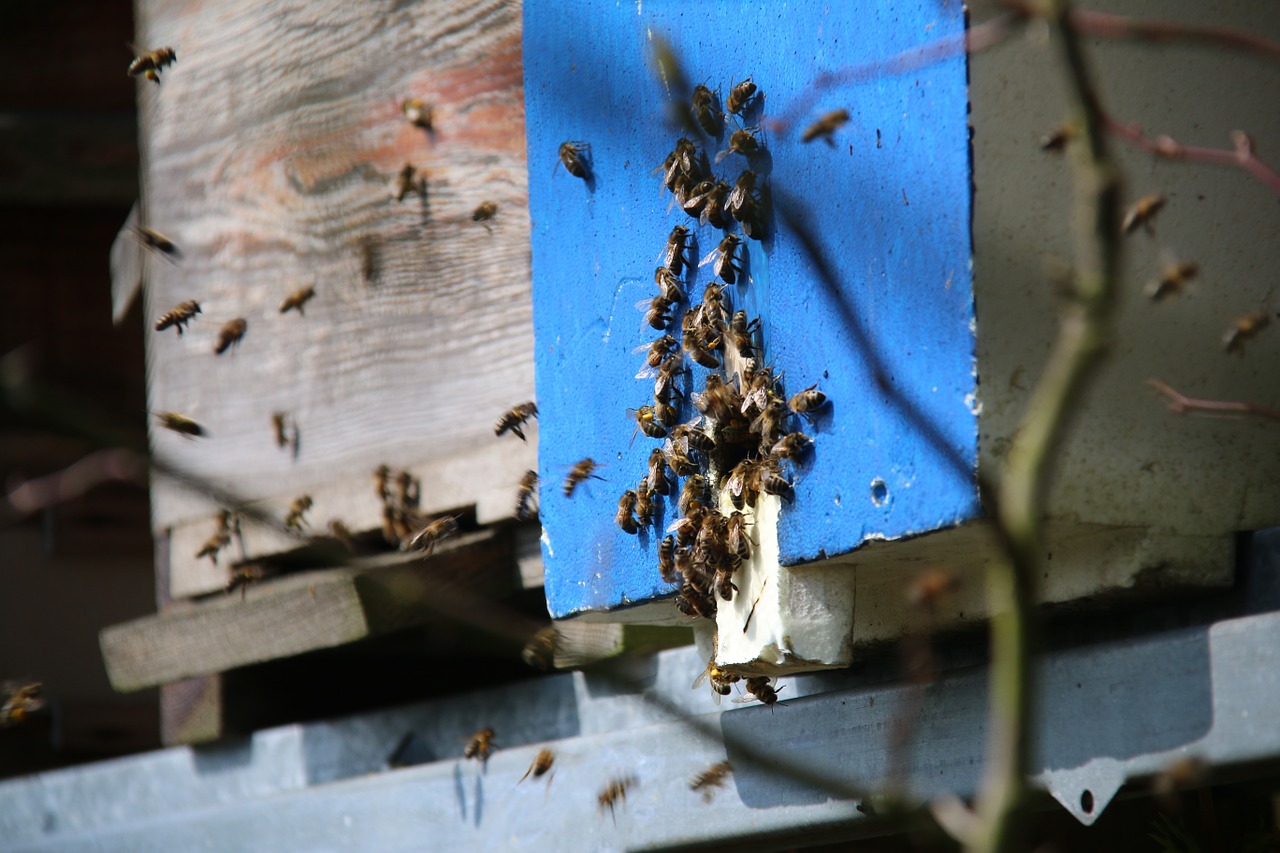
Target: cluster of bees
402, 524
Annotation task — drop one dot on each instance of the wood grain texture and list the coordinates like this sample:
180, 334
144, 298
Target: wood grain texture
268, 152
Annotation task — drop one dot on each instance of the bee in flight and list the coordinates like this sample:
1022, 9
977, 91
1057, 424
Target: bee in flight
825, 127
480, 745
541, 765
181, 424
710, 779
295, 519
150, 63
297, 300
1142, 213
484, 212
614, 793
526, 497
760, 687
231, 333
1242, 330
18, 699
154, 241
514, 418
580, 473
179, 317
242, 576
427, 537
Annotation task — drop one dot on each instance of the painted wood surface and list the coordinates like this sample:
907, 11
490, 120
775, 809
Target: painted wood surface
268, 154
888, 204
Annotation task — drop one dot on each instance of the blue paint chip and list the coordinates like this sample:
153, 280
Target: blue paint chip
888, 205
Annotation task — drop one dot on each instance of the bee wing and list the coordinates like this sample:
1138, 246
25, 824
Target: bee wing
710, 257
720, 155
647, 372
644, 305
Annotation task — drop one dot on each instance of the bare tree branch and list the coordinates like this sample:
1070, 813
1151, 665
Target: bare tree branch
1190, 405
1241, 155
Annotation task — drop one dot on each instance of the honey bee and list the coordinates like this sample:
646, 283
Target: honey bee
427, 537
297, 299
154, 241
741, 203
580, 472
790, 445
741, 332
807, 401
657, 351
673, 254
181, 424
541, 764
710, 779
480, 745
714, 313
701, 350
514, 418
214, 544
1142, 213
656, 311
418, 113
696, 602
278, 426
737, 537
646, 422
242, 576
626, 513
693, 437
667, 559
613, 793
710, 204
659, 483
695, 489
723, 257
740, 95
718, 400
668, 284
1243, 329
151, 63
342, 533
826, 126
724, 584
178, 318
929, 586
743, 483
540, 651
721, 680
1172, 279
740, 142
406, 182
525, 511
571, 157
773, 483
644, 502
381, 479
294, 519
686, 529
1058, 139
230, 333
20, 699
664, 384
705, 112
484, 212
759, 687
679, 460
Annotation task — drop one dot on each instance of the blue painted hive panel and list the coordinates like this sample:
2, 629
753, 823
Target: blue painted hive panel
862, 280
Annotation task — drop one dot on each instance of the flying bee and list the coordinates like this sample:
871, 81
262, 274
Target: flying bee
1173, 278
242, 576
294, 519
614, 793
644, 502
231, 333
541, 764
19, 699
737, 538
574, 156
666, 279
695, 489
406, 182
759, 687
723, 257
658, 350
694, 437
484, 212
656, 309
427, 538
930, 586
179, 317
1243, 329
151, 63
525, 511
221, 538
418, 113
297, 299
705, 112
790, 445
741, 142
826, 127
1057, 140
721, 680
514, 418
710, 779
646, 422
673, 254
342, 533
807, 401
667, 559
1142, 213
154, 241
181, 424
540, 651
741, 332
480, 745
381, 479
740, 95
659, 482
581, 471
665, 413
625, 517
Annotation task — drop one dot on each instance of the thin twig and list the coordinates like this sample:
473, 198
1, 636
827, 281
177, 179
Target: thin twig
1082, 339
1241, 155
1183, 404
102, 466
1107, 25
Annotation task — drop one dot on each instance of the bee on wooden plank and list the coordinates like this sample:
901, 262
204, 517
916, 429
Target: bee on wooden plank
644, 502
825, 127
580, 473
542, 763
427, 538
381, 482
179, 317
614, 793
704, 111
154, 241
514, 418
297, 300
740, 95
484, 212
231, 333
741, 142
526, 496
718, 400
693, 437
406, 182
625, 516
1244, 329
575, 157
710, 779
150, 63
181, 424
480, 745
243, 575
1142, 213
741, 333
295, 518
418, 113
279, 427
737, 538
707, 203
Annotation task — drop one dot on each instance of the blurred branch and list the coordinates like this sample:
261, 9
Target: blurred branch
99, 467
1241, 154
1107, 25
1082, 340
1190, 405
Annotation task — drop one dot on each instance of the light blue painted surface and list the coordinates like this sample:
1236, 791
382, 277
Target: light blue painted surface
891, 206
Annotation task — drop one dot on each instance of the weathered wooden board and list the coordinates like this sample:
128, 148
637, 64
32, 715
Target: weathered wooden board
268, 153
